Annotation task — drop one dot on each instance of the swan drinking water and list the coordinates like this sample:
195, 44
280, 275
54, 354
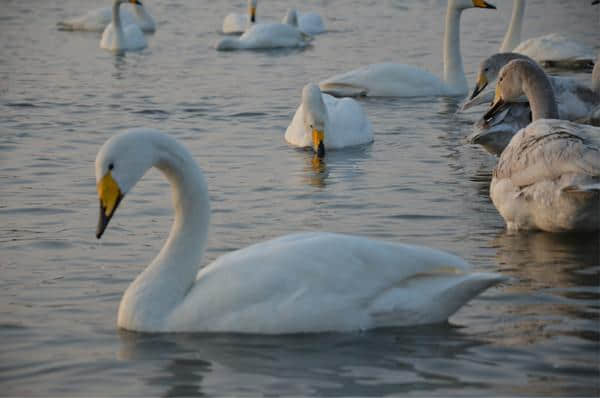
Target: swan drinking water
96, 20
306, 282
325, 122
118, 38
308, 22
548, 177
397, 80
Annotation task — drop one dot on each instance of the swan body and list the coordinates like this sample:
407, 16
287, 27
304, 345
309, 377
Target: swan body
548, 177
342, 122
118, 38
310, 23
97, 20
306, 282
549, 50
265, 36
575, 101
397, 80
235, 23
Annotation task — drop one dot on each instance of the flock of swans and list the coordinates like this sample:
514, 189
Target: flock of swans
547, 178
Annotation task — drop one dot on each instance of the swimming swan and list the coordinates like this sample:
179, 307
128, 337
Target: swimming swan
308, 22
549, 50
238, 23
306, 282
397, 80
118, 38
265, 36
548, 177
324, 122
575, 101
96, 20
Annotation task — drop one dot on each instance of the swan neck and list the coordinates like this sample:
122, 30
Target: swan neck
596, 78
116, 20
539, 92
513, 34
454, 74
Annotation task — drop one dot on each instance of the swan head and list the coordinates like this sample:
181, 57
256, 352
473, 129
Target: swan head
291, 17
252, 10
315, 116
510, 85
465, 4
490, 67
120, 164
138, 2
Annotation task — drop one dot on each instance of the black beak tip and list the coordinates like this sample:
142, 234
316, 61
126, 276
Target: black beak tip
321, 150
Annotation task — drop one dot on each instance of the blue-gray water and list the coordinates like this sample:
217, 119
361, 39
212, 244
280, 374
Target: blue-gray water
61, 97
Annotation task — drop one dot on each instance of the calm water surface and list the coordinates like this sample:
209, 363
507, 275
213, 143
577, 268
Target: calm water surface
61, 97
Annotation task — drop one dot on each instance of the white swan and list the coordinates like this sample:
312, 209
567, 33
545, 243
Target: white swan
548, 177
397, 80
118, 38
549, 50
97, 20
308, 22
575, 100
324, 122
238, 23
307, 282
265, 36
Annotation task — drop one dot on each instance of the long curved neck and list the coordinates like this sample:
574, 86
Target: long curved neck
512, 38
539, 92
142, 14
454, 75
596, 77
164, 284
116, 21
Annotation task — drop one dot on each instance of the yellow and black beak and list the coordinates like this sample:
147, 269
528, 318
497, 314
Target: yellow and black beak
480, 86
498, 105
252, 14
318, 142
138, 2
110, 196
483, 4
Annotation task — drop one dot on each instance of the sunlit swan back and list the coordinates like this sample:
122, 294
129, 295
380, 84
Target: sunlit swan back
548, 177
119, 38
307, 282
265, 36
97, 20
308, 22
397, 80
235, 23
325, 122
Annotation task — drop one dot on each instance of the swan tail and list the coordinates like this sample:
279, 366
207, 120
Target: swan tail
428, 299
343, 89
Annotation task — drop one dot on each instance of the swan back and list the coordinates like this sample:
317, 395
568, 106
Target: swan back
265, 36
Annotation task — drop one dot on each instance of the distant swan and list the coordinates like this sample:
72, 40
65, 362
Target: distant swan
398, 80
118, 38
548, 177
96, 20
308, 22
575, 101
306, 282
238, 23
550, 50
324, 122
265, 36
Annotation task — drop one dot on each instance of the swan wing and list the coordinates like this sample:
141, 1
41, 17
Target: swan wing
348, 123
93, 21
323, 282
547, 149
574, 99
311, 23
556, 48
272, 35
386, 79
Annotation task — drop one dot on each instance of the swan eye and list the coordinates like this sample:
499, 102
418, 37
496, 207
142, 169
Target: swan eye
486, 69
111, 166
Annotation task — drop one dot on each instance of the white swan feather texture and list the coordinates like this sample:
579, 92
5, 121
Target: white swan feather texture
119, 38
306, 282
265, 36
398, 80
310, 23
548, 177
342, 122
97, 20
575, 101
553, 49
235, 23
